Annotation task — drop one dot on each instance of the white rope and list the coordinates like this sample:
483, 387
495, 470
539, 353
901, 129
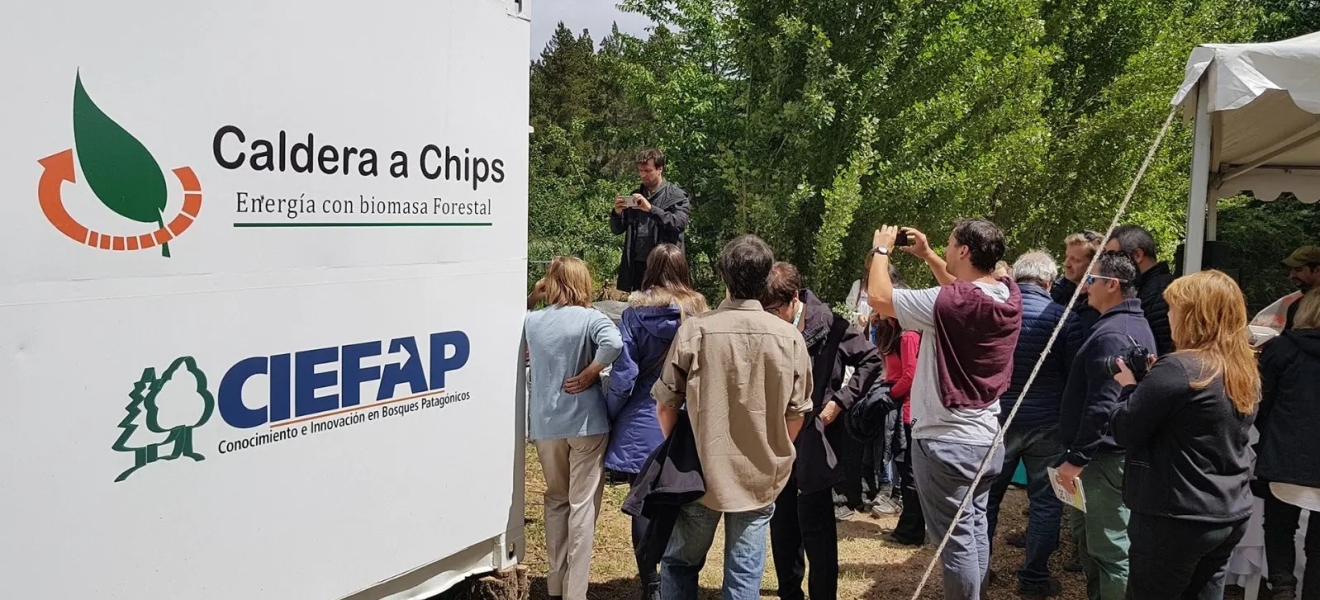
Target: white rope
999, 438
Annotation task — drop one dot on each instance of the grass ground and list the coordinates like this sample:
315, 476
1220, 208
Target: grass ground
868, 567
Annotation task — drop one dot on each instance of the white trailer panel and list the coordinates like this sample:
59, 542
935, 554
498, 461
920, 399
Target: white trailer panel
261, 300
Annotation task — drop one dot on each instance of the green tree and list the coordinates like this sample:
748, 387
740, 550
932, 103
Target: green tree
135, 436
1257, 236
588, 126
182, 392
810, 122
1283, 19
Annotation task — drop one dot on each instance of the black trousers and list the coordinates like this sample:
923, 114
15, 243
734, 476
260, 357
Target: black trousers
911, 522
1281, 520
630, 280
803, 529
1176, 558
649, 572
848, 452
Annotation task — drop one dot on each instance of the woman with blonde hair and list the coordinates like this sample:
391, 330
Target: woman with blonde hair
569, 344
1185, 427
648, 326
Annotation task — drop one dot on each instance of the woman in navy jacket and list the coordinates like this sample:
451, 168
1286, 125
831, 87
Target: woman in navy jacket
648, 326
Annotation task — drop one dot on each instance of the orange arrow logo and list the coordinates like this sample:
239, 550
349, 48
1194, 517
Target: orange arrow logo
58, 168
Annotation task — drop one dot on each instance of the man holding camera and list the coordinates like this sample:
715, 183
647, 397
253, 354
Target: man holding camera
970, 325
1090, 396
655, 213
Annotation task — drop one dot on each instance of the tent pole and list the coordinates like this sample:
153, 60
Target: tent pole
1212, 219
1196, 198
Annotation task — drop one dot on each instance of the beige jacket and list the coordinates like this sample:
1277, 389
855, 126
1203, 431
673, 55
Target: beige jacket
742, 373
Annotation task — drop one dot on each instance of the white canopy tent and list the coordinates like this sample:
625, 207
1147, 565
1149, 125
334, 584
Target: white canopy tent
1257, 114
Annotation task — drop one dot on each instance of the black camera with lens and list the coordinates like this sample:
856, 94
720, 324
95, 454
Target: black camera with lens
1136, 357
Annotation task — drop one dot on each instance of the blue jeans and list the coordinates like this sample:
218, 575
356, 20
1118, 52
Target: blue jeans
1038, 449
744, 552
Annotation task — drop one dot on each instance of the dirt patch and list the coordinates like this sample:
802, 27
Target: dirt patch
869, 567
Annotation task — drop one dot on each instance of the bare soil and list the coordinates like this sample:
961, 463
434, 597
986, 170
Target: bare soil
868, 566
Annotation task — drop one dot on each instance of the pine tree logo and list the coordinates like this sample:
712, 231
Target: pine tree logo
123, 175
162, 414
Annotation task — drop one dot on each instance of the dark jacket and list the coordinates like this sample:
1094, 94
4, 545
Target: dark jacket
1040, 315
816, 466
647, 327
1289, 413
1188, 454
1150, 288
1062, 291
1091, 393
643, 231
865, 421
670, 478
1087, 315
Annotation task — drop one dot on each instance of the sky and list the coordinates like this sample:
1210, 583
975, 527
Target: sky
594, 15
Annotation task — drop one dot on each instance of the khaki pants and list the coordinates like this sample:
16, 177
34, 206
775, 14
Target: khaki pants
574, 479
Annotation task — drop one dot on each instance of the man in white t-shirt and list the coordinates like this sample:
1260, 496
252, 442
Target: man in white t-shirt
969, 326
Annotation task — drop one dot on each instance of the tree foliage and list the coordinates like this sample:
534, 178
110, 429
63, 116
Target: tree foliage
811, 122
1257, 236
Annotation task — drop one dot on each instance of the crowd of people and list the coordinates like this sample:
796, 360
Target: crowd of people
779, 417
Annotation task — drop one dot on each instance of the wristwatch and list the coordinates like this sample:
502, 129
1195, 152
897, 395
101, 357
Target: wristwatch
881, 250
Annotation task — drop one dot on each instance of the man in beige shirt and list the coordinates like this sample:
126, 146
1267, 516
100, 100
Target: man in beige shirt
745, 378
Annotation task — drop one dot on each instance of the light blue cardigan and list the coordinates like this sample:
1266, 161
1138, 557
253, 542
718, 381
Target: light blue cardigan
563, 340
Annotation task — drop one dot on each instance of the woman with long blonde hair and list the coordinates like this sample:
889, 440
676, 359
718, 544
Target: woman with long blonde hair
569, 343
1185, 428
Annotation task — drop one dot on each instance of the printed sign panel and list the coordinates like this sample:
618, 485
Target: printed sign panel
179, 138
262, 296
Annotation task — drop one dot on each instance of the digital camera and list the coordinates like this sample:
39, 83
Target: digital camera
1136, 357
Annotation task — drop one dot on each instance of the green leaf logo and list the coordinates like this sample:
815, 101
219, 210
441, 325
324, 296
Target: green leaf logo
119, 169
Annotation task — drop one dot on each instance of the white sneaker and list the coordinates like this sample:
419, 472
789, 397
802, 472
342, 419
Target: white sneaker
885, 506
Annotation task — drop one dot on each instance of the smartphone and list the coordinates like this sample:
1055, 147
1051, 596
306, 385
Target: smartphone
902, 239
